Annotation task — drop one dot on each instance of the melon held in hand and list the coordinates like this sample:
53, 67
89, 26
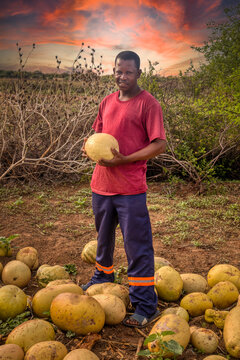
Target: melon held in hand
98, 146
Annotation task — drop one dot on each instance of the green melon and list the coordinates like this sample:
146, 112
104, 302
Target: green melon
89, 252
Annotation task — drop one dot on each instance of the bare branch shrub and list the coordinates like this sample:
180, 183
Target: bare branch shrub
43, 122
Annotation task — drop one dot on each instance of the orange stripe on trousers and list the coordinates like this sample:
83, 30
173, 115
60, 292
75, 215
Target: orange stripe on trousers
141, 281
106, 270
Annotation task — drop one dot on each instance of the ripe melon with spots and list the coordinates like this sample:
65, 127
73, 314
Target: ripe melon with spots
204, 340
47, 273
46, 350
81, 314
224, 272
29, 256
11, 352
196, 303
223, 294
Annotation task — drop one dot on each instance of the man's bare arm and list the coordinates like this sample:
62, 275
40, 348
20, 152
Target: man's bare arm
156, 147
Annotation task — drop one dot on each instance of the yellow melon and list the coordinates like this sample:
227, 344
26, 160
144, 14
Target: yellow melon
31, 332
81, 354
43, 298
11, 352
13, 301
177, 325
46, 350
223, 294
168, 283
29, 256
16, 273
223, 272
231, 332
196, 303
98, 146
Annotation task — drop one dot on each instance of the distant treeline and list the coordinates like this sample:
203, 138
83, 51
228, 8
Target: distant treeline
37, 74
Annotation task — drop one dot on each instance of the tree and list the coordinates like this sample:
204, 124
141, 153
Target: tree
220, 76
223, 46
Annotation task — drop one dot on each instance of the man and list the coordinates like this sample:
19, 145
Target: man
134, 118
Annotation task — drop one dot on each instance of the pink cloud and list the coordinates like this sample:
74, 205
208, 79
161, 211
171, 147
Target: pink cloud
20, 7
13, 8
123, 17
210, 5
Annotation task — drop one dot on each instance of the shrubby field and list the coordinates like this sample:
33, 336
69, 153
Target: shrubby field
44, 118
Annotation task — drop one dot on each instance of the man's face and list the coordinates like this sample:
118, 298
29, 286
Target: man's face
126, 74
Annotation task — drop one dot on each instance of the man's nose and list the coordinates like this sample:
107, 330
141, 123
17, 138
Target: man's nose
123, 76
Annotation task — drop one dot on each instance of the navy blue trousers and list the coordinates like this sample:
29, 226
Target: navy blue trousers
131, 213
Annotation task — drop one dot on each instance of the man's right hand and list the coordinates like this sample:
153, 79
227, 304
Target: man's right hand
84, 154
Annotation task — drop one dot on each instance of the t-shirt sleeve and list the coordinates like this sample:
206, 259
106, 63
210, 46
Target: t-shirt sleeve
154, 122
97, 125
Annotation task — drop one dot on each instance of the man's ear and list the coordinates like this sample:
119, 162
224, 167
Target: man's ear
139, 73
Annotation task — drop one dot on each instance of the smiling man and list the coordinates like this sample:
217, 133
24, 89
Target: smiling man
134, 118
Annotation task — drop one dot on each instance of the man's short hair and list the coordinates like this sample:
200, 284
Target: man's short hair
129, 55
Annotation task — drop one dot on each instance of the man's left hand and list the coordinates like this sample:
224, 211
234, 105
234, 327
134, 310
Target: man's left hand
118, 159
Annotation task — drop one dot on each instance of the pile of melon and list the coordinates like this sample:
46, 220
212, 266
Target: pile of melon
215, 300
60, 303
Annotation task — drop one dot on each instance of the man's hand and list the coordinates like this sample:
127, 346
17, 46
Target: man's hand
84, 154
118, 159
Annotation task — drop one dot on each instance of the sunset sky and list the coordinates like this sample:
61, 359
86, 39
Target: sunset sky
158, 30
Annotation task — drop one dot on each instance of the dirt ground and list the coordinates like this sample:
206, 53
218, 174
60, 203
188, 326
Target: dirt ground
58, 222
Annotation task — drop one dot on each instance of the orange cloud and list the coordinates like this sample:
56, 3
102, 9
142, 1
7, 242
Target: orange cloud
69, 7
149, 38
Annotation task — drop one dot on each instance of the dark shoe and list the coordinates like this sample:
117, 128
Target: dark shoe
140, 321
86, 286
90, 283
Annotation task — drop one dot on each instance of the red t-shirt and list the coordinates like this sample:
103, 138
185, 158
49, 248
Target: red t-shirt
135, 124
